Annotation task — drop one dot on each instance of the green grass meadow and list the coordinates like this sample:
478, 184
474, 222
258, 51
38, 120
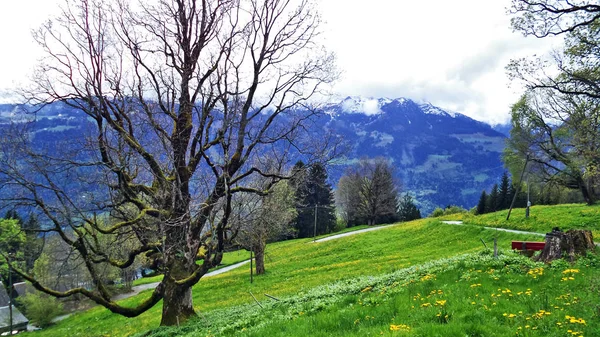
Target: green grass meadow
378, 283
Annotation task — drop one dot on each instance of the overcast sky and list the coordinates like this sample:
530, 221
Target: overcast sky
449, 53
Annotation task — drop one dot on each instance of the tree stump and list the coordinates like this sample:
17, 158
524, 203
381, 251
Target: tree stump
566, 245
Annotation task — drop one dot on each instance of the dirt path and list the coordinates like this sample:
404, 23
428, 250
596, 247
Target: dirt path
138, 289
460, 223
337, 236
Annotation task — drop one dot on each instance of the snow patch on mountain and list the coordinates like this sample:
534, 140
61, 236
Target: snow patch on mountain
430, 109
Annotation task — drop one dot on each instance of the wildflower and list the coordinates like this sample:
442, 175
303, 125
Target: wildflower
399, 327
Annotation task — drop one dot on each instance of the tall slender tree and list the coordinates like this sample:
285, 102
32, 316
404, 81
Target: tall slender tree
504, 198
315, 194
493, 198
482, 204
407, 210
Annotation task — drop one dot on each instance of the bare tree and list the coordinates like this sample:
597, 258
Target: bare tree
262, 219
368, 192
183, 96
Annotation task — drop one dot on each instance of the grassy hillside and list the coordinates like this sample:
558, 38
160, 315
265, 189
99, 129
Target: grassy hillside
468, 295
542, 218
297, 266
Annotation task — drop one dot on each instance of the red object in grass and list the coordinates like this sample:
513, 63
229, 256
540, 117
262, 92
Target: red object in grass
524, 245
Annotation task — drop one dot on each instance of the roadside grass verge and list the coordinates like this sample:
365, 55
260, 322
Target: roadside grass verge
296, 266
542, 218
467, 295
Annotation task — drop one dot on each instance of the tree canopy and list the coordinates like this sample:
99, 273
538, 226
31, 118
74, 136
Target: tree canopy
556, 122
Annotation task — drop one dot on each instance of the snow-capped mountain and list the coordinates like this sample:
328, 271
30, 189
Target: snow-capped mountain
442, 157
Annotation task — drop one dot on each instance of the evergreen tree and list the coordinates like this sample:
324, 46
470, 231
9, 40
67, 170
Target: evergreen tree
492, 204
313, 192
407, 210
504, 193
482, 204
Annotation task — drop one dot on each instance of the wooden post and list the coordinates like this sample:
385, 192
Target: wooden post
10, 298
315, 229
496, 246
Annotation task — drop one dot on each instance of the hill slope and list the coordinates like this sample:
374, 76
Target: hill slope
297, 266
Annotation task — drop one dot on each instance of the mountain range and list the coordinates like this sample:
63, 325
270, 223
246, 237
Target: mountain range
441, 157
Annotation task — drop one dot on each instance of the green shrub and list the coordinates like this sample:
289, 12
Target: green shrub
339, 225
41, 308
437, 212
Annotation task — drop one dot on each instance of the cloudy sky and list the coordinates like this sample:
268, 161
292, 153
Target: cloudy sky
449, 53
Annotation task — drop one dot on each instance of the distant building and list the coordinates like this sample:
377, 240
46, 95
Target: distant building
19, 322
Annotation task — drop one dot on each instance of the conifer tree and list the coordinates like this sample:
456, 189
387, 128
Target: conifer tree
504, 193
492, 204
313, 193
482, 204
407, 210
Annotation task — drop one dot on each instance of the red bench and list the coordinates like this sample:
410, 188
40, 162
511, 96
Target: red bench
524, 245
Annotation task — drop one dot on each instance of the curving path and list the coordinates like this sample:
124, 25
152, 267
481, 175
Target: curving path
460, 223
337, 236
138, 289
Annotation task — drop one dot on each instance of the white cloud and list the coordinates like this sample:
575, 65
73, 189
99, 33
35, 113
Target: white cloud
371, 107
450, 53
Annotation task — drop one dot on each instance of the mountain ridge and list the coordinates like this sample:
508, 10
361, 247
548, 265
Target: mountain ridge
442, 157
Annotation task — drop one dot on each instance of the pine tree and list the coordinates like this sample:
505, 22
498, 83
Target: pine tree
504, 193
407, 210
313, 192
492, 204
482, 204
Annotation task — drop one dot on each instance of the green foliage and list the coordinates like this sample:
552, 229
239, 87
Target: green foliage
438, 212
407, 210
482, 204
41, 308
11, 244
492, 201
312, 190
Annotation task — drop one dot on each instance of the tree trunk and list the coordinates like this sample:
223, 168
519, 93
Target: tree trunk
259, 257
179, 265
587, 196
177, 304
569, 244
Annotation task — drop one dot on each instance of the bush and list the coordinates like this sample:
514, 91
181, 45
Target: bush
41, 308
339, 225
437, 212
449, 210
